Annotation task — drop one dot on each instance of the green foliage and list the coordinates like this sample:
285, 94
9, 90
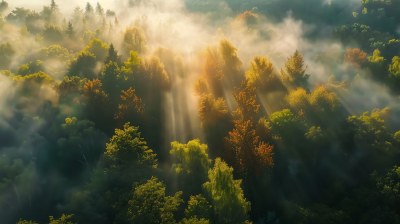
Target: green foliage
294, 70
56, 52
53, 34
83, 66
212, 110
134, 40
155, 73
282, 123
132, 63
394, 67
79, 146
127, 149
98, 48
320, 103
26, 222
396, 136
18, 15
323, 101
38, 77
31, 67
6, 54
190, 164
225, 194
64, 219
3, 6
198, 207
370, 128
376, 57
149, 203
194, 221
261, 74
231, 63
389, 186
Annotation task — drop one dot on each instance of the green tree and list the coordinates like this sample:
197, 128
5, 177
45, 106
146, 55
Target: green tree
79, 146
3, 6
285, 126
294, 70
83, 66
262, 75
6, 55
127, 150
70, 30
394, 68
198, 207
98, 48
21, 221
389, 187
376, 57
134, 40
31, 67
226, 195
53, 34
190, 164
64, 219
149, 203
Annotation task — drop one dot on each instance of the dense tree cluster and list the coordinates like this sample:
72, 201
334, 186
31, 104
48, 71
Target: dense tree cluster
88, 108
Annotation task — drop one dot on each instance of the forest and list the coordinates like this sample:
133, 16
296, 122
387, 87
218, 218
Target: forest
200, 111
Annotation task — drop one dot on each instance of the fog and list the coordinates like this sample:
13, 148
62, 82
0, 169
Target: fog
179, 35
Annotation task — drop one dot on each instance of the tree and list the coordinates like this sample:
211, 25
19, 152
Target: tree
83, 66
260, 73
112, 55
212, 110
149, 203
98, 48
7, 53
355, 57
231, 63
373, 143
285, 126
298, 100
294, 70
324, 102
376, 57
31, 67
18, 15
21, 221
64, 219
251, 155
246, 99
53, 34
130, 105
111, 77
190, 164
198, 207
215, 120
394, 68
69, 89
134, 40
226, 195
99, 9
389, 186
3, 6
96, 100
70, 30
79, 146
88, 9
127, 149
